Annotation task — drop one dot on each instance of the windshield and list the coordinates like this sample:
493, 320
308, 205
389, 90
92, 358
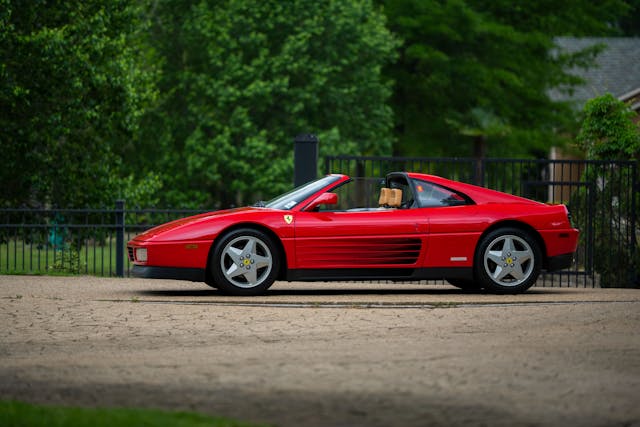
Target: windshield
292, 198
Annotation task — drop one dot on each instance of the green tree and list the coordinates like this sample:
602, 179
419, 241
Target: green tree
608, 130
494, 56
241, 78
609, 133
629, 24
71, 90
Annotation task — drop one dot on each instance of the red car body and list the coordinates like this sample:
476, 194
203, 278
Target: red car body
440, 229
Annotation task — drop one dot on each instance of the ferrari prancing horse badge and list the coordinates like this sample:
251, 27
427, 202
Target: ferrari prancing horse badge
288, 219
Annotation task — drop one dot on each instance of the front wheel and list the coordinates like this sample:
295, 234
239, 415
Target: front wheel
508, 260
245, 262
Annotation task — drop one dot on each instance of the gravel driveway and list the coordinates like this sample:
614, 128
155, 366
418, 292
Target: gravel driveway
325, 354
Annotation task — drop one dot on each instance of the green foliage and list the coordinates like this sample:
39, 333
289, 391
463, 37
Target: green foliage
609, 133
71, 89
494, 56
630, 23
608, 130
241, 78
18, 414
129, 99
142, 192
613, 220
67, 261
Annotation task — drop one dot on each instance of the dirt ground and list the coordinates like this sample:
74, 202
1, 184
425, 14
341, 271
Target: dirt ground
325, 354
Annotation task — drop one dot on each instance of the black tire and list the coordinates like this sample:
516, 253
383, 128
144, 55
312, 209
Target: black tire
211, 283
507, 260
466, 284
244, 262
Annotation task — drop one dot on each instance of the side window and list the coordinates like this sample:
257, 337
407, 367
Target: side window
431, 195
357, 194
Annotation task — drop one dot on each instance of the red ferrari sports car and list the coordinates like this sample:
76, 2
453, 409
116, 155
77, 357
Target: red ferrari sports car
414, 226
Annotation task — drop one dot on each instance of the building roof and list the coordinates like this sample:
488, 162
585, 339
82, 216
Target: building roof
616, 69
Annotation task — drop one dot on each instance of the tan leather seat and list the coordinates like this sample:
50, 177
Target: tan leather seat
383, 201
395, 199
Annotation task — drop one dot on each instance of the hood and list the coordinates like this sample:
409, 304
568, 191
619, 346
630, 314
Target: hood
190, 221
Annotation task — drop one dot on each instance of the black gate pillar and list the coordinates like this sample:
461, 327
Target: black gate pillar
305, 159
120, 238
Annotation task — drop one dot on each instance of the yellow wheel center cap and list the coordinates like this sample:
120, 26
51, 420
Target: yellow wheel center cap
509, 260
246, 262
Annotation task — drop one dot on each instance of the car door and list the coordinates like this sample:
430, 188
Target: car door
359, 239
454, 226
453, 234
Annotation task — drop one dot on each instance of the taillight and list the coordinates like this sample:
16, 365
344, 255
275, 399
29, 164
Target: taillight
569, 217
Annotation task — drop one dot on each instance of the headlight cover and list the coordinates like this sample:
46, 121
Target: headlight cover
141, 254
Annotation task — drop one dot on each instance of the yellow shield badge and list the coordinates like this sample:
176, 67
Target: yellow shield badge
288, 219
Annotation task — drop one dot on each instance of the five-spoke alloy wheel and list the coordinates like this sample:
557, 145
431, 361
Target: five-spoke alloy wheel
244, 262
508, 260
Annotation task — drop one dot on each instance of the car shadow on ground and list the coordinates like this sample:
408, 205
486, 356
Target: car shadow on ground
332, 292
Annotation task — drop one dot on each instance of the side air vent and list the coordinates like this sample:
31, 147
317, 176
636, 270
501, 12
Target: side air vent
397, 251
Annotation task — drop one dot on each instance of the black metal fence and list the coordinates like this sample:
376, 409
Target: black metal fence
74, 241
602, 196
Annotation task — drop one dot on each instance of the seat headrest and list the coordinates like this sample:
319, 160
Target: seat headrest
384, 196
395, 198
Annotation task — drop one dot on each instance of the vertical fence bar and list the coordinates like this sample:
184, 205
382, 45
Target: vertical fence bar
86, 244
23, 240
635, 190
119, 238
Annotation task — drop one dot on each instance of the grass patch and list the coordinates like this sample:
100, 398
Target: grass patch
19, 414
19, 257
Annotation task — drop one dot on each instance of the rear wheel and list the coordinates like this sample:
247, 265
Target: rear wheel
508, 260
244, 262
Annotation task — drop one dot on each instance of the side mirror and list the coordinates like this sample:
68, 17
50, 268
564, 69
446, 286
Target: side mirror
323, 199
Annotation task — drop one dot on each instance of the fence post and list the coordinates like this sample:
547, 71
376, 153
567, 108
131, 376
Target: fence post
635, 185
120, 238
305, 159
